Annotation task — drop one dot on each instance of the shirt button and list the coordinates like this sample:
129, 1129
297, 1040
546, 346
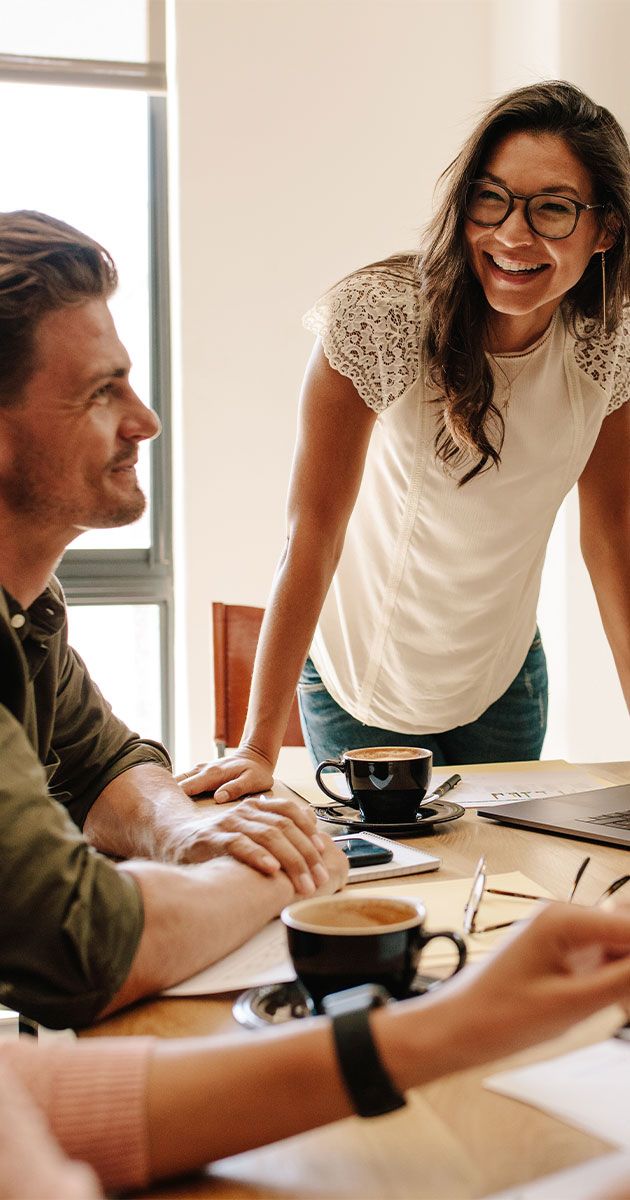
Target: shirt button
18, 621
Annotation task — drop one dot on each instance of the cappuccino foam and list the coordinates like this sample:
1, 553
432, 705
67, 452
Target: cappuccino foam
387, 753
357, 914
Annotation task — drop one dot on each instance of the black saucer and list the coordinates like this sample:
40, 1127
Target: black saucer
277, 1003
434, 812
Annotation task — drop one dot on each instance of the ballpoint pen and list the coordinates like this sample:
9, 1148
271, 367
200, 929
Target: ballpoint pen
445, 787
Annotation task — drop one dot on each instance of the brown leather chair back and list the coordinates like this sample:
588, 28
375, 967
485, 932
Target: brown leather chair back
235, 631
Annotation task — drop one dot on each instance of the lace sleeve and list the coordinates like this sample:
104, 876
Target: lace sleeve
369, 325
621, 381
606, 358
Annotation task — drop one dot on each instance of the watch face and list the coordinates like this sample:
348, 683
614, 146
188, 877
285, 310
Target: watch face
366, 995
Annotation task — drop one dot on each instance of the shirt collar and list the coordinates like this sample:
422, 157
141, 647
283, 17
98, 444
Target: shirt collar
42, 619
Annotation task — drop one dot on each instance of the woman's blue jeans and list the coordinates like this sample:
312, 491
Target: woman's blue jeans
510, 730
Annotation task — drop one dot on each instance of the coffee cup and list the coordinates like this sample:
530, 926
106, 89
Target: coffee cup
339, 942
388, 783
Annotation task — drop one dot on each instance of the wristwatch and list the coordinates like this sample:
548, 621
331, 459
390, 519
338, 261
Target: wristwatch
370, 1087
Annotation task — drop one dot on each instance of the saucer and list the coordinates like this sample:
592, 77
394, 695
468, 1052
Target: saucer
277, 1003
272, 1004
435, 812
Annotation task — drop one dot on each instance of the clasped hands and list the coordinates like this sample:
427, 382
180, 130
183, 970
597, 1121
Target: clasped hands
270, 835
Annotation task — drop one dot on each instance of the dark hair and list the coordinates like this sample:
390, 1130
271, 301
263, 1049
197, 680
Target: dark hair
455, 310
44, 265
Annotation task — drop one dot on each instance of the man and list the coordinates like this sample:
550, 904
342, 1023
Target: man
80, 935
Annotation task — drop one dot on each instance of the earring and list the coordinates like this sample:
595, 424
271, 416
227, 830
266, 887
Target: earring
604, 290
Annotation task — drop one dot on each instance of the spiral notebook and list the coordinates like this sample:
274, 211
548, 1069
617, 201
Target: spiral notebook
406, 861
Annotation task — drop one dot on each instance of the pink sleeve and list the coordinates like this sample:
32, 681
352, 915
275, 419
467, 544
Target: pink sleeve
94, 1096
32, 1164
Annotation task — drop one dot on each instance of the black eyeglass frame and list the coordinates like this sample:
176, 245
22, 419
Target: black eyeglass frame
479, 888
578, 205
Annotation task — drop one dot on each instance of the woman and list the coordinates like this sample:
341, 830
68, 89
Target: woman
137, 1109
450, 404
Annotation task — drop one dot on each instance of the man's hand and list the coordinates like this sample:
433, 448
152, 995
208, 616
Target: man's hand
144, 813
243, 773
269, 835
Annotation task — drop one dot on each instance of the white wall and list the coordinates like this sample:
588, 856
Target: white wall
588, 716
306, 139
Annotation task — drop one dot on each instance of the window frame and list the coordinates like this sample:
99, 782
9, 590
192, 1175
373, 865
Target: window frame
142, 575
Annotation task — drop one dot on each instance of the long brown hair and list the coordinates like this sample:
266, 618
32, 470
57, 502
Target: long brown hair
454, 305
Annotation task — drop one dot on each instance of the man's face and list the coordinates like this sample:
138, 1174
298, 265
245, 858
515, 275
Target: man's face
68, 448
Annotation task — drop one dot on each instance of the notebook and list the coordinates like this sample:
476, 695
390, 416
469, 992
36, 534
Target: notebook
406, 860
598, 816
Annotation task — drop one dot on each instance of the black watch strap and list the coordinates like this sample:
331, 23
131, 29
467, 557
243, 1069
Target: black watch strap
370, 1088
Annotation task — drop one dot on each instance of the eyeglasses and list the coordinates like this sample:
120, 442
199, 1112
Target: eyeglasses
548, 214
479, 888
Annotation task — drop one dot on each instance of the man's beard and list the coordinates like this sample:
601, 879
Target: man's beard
26, 491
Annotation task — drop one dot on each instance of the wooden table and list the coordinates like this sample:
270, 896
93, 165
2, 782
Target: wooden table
454, 1139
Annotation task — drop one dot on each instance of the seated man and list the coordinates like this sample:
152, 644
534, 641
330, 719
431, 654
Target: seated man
80, 935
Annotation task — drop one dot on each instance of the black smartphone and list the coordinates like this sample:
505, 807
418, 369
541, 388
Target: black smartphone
363, 854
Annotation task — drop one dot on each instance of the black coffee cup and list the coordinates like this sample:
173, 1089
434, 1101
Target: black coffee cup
338, 942
388, 783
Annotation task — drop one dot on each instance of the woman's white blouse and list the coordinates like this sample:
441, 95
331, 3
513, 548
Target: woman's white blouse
433, 606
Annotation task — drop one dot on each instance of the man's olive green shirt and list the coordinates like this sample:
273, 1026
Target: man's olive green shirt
70, 922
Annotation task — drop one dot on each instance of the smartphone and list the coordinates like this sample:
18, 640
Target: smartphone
362, 853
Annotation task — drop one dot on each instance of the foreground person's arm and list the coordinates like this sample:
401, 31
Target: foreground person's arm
563, 966
560, 968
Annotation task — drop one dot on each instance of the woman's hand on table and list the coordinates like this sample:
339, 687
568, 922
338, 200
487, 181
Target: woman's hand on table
243, 773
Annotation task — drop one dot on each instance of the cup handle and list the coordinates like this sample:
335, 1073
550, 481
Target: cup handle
329, 762
452, 937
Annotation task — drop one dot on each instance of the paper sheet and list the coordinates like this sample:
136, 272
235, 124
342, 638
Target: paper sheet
523, 781
597, 1177
482, 785
589, 1088
264, 959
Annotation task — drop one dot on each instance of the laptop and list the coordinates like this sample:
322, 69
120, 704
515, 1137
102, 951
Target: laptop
599, 816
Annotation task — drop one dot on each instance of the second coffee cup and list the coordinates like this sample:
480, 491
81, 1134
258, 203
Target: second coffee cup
388, 783
338, 942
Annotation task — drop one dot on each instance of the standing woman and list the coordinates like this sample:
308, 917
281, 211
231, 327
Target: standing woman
451, 402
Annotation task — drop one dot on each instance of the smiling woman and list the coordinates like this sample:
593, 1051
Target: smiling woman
455, 397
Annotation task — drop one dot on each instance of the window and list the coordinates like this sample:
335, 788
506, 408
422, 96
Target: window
86, 140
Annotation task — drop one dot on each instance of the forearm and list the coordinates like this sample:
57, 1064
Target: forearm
193, 916
277, 1086
609, 569
559, 968
137, 814
299, 589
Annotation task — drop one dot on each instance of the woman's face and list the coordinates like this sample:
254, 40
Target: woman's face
525, 276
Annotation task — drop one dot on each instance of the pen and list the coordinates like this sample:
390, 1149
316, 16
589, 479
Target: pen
445, 787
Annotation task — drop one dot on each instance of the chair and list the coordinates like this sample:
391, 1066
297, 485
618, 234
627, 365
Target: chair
235, 631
